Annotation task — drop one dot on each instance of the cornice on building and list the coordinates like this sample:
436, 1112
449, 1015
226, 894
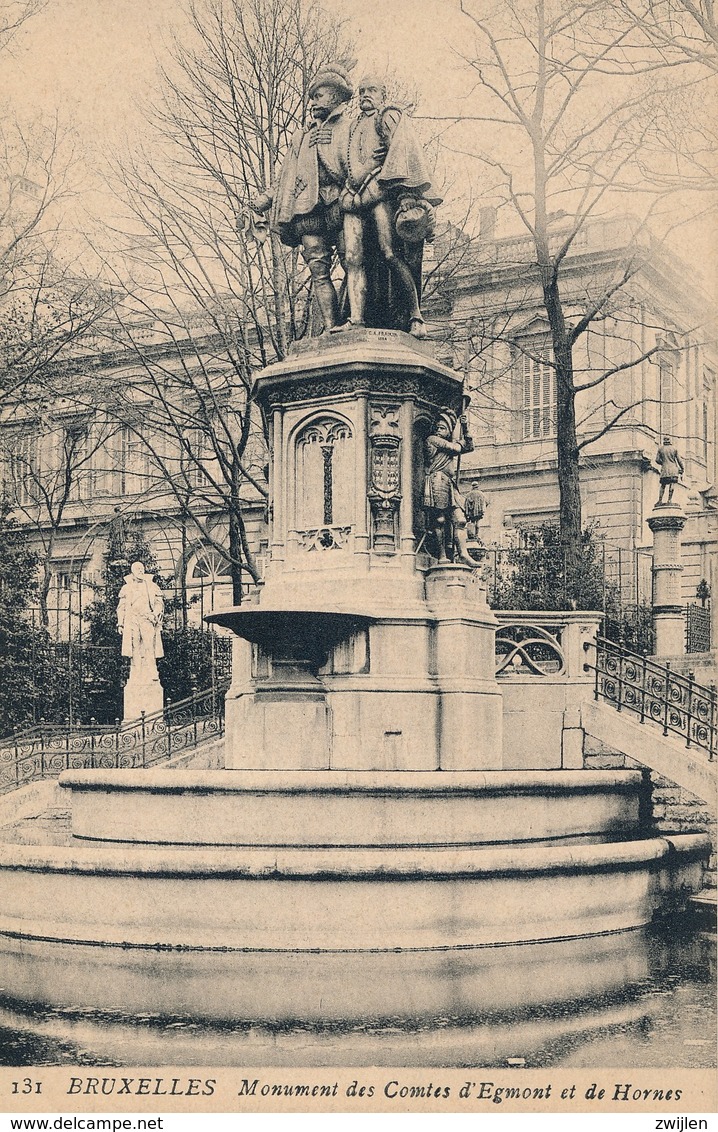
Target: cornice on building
544, 464
489, 268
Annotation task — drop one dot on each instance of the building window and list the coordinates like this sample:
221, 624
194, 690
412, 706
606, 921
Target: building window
67, 578
666, 397
76, 460
709, 422
132, 474
538, 391
24, 467
195, 457
209, 583
66, 600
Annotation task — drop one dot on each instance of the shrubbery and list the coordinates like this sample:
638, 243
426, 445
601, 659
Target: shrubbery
24, 648
539, 575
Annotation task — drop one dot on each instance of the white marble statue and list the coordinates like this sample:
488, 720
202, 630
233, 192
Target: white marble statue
139, 618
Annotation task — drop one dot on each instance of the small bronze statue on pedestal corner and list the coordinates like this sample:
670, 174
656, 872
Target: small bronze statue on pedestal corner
671, 467
444, 504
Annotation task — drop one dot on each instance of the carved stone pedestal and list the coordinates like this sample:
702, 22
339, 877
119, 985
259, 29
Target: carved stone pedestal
142, 695
401, 659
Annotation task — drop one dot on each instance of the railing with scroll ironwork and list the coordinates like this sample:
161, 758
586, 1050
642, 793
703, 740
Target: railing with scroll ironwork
45, 750
698, 628
676, 703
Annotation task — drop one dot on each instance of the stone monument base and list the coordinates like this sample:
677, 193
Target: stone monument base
142, 697
363, 687
332, 897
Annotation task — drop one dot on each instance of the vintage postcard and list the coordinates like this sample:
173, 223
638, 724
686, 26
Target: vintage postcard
358, 556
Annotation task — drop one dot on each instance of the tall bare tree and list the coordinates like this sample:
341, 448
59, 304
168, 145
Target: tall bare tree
561, 94
185, 408
48, 302
49, 454
233, 93
680, 30
13, 14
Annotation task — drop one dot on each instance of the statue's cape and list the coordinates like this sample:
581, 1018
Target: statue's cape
405, 164
297, 187
153, 591
150, 583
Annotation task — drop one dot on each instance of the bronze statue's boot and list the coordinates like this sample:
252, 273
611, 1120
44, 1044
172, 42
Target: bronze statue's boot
417, 328
463, 555
326, 298
348, 325
317, 257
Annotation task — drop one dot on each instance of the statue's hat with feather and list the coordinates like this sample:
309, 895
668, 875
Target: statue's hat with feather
332, 75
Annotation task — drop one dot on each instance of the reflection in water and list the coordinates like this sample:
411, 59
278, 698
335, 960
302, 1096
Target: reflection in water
631, 999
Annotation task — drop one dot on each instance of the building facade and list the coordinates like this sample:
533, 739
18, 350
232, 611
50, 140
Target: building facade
648, 361
73, 468
108, 457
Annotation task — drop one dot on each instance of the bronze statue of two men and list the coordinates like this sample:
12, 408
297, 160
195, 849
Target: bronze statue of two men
358, 186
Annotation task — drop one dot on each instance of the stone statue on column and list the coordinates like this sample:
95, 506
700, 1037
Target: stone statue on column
671, 467
476, 504
444, 504
140, 610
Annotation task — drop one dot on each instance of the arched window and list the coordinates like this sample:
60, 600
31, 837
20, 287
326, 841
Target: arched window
209, 583
325, 475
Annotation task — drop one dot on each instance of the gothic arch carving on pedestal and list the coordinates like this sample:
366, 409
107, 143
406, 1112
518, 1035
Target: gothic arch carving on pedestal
324, 477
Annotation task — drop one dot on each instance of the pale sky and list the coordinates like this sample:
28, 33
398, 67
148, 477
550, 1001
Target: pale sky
96, 58
95, 61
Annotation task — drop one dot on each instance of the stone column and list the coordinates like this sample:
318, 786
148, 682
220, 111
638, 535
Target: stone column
277, 536
361, 523
406, 512
666, 523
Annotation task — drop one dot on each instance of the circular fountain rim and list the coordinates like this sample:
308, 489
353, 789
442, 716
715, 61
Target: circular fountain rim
267, 864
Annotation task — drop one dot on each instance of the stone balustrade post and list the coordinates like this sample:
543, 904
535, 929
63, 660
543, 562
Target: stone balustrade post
666, 523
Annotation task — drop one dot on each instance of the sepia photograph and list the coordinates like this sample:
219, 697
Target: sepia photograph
358, 555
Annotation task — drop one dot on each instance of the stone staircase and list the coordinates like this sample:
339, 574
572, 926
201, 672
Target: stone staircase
690, 768
647, 715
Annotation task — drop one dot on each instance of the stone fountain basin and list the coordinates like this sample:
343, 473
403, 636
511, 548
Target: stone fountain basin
320, 934
352, 809
340, 898
292, 629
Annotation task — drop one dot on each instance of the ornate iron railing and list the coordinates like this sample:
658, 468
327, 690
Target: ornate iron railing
45, 750
543, 644
654, 693
698, 628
